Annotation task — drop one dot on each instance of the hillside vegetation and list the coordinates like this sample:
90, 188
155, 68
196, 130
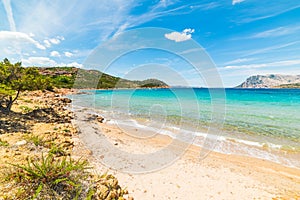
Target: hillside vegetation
294, 85
71, 77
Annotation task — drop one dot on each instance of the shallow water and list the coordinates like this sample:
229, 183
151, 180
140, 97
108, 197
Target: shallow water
261, 123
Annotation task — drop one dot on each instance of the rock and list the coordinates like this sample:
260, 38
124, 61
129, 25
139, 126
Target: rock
65, 100
269, 81
100, 119
102, 191
21, 143
113, 182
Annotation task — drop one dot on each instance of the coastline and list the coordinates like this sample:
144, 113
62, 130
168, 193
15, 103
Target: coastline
252, 140
217, 176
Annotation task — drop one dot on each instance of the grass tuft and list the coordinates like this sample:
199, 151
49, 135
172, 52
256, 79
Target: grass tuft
3, 143
36, 140
49, 178
57, 150
25, 109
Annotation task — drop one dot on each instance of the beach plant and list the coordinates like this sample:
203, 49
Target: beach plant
57, 150
25, 109
3, 143
36, 140
50, 178
28, 101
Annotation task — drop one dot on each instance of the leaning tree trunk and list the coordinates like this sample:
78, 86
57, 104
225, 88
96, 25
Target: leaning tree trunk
11, 101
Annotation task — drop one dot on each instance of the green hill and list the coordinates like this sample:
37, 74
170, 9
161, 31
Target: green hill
71, 77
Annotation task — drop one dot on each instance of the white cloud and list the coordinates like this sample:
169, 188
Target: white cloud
68, 54
186, 34
54, 40
20, 38
47, 62
61, 38
73, 64
239, 60
237, 1
38, 61
47, 43
55, 54
262, 65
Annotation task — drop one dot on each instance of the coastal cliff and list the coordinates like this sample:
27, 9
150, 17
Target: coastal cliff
271, 81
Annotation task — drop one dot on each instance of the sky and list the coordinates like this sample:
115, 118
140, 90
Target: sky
240, 37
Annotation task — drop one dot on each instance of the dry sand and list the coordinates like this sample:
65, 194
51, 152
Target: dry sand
217, 176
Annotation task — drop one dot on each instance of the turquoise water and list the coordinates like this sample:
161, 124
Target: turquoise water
250, 117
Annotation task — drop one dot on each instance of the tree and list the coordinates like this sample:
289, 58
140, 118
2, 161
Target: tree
14, 79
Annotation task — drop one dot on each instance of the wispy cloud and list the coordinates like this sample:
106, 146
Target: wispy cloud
259, 51
156, 11
206, 6
274, 10
186, 34
264, 65
20, 38
237, 1
280, 31
270, 48
9, 14
239, 60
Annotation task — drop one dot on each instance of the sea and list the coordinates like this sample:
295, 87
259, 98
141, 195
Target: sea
260, 123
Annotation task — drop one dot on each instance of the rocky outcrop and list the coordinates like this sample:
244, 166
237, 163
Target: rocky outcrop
269, 81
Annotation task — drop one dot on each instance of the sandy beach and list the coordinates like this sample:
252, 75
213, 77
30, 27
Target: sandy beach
217, 176
177, 173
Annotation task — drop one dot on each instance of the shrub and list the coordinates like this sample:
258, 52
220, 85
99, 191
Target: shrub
49, 178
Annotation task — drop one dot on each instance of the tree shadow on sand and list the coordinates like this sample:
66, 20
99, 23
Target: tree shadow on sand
18, 122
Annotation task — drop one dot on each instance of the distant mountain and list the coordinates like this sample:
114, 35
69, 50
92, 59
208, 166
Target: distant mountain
71, 77
271, 81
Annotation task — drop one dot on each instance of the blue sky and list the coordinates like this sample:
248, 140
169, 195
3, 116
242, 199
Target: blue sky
242, 37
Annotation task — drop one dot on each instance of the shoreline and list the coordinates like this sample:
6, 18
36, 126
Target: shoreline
226, 145
267, 179
260, 145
